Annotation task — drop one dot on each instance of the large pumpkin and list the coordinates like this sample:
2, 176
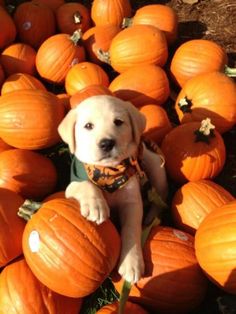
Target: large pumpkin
52, 4
28, 173
57, 55
198, 99
173, 281
194, 57
11, 227
21, 292
215, 245
130, 308
61, 246
140, 89
193, 151
35, 22
193, 201
29, 119
8, 28
138, 45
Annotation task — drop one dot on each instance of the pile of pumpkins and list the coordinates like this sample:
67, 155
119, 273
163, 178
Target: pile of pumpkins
53, 55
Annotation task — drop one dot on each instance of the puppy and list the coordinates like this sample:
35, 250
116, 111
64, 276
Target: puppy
104, 132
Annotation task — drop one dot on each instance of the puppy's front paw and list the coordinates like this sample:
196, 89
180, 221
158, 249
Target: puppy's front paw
131, 267
94, 209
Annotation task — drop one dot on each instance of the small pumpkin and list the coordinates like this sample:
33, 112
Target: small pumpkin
52, 4
11, 227
193, 151
140, 89
85, 252
18, 58
198, 99
84, 74
21, 292
35, 22
19, 81
7, 24
215, 245
130, 308
194, 57
72, 16
27, 173
57, 55
193, 201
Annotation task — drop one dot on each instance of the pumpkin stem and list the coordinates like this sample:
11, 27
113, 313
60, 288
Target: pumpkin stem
28, 208
76, 36
127, 22
103, 56
205, 131
185, 104
77, 17
231, 72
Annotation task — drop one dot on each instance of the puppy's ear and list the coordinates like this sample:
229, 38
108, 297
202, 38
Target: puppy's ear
66, 129
137, 119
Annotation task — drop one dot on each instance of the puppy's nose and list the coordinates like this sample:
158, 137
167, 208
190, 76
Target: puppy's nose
106, 144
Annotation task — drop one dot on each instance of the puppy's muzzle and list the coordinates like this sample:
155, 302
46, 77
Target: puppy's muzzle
107, 144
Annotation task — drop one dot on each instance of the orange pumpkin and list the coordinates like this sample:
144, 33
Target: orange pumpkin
29, 119
2, 75
112, 12
173, 281
88, 91
99, 38
130, 308
193, 201
18, 58
72, 16
58, 194
52, 4
193, 151
64, 99
35, 22
21, 292
194, 57
161, 16
4, 146
157, 122
11, 227
57, 55
7, 24
27, 173
140, 89
198, 99
84, 74
215, 245
19, 81
62, 246
138, 45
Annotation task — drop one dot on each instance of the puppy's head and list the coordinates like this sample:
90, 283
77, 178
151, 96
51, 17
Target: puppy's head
102, 130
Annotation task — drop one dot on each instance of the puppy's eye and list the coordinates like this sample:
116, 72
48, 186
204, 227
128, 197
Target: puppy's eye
89, 126
118, 122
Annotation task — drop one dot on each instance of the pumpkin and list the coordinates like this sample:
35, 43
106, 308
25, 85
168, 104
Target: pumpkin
57, 55
112, 12
161, 16
130, 308
64, 99
18, 58
2, 75
193, 151
198, 99
140, 89
29, 119
4, 146
193, 201
215, 245
18, 81
173, 281
88, 91
157, 122
11, 227
194, 57
34, 22
84, 74
52, 4
98, 38
60, 245
27, 173
21, 292
72, 16
7, 24
138, 45
2, 2
58, 194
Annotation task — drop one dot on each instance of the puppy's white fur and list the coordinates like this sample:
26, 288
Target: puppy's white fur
102, 113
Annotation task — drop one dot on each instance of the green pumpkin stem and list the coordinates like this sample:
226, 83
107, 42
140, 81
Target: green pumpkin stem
76, 36
185, 105
28, 209
103, 56
231, 72
205, 132
77, 17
